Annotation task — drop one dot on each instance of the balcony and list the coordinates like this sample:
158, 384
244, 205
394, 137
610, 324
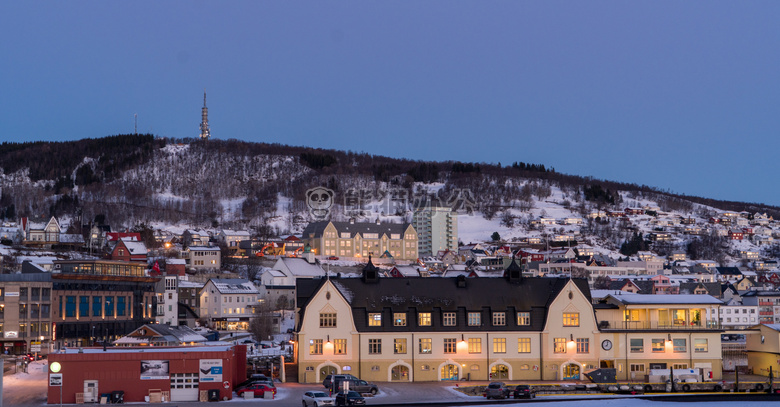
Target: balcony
658, 326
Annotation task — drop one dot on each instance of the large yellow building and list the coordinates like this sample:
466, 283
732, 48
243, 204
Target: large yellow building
511, 328
355, 239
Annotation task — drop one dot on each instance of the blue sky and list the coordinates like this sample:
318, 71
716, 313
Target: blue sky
678, 95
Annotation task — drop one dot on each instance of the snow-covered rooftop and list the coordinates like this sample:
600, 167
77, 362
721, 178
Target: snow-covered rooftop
631, 298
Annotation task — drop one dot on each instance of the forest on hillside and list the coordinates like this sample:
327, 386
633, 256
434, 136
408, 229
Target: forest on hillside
132, 179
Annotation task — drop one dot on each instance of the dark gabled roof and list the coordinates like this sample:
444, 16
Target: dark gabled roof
317, 228
437, 295
713, 289
644, 286
733, 271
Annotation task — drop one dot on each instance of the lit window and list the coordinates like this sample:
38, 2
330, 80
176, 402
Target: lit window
571, 319
399, 345
524, 345
499, 345
560, 345
374, 319
425, 345
399, 319
700, 345
475, 345
339, 346
425, 319
523, 318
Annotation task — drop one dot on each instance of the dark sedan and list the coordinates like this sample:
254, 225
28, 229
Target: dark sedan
351, 398
523, 391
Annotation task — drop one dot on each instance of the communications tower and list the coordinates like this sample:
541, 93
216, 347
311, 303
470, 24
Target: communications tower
205, 132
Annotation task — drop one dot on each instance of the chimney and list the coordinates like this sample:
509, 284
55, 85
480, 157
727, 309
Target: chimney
461, 281
370, 272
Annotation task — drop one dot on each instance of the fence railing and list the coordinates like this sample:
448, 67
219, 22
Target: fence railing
658, 325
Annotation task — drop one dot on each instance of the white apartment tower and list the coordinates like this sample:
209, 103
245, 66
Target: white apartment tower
437, 227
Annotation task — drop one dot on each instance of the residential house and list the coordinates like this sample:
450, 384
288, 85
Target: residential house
731, 274
663, 285
281, 282
228, 304
40, 233
736, 234
230, 238
447, 257
203, 258
748, 254
129, 249
768, 303
735, 315
192, 237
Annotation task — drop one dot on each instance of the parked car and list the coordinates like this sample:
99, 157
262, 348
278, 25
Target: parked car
316, 399
523, 391
339, 377
332, 258
360, 386
496, 390
259, 389
350, 398
244, 385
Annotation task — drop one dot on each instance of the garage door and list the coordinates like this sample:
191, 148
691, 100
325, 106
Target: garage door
184, 387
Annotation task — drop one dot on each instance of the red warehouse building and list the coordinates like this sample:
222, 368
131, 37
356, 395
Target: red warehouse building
185, 373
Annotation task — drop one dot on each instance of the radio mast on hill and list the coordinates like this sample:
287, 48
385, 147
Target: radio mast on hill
204, 123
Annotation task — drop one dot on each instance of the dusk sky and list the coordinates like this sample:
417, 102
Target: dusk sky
679, 95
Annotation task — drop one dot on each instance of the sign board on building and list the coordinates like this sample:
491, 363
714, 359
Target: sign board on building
210, 370
155, 369
35, 348
55, 379
11, 334
10, 294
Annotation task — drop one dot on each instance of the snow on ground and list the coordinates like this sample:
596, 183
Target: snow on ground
231, 208
635, 402
168, 196
475, 228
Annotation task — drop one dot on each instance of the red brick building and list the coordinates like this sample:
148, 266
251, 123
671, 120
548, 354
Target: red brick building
180, 373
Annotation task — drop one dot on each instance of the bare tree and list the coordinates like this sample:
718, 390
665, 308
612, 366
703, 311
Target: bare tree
261, 326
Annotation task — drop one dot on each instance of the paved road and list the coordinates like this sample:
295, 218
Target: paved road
29, 389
